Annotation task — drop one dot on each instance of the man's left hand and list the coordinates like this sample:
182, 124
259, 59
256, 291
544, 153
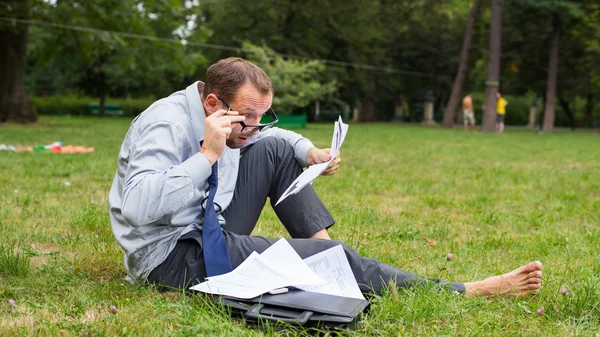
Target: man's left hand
316, 156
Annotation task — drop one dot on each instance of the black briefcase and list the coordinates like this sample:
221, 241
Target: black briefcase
297, 308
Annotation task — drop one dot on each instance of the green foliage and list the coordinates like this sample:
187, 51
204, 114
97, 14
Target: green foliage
76, 105
383, 34
409, 47
100, 62
297, 83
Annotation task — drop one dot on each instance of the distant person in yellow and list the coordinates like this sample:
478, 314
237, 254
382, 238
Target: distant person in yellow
500, 112
468, 114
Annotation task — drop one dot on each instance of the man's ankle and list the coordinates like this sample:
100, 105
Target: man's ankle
322, 234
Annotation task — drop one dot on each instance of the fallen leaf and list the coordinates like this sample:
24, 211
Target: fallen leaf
430, 242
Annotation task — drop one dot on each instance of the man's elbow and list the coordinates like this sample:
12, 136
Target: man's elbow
136, 213
133, 216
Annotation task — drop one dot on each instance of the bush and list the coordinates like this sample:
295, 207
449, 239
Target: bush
75, 105
60, 105
133, 106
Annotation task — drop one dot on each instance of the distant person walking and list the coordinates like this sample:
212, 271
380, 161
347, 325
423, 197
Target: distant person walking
468, 114
500, 112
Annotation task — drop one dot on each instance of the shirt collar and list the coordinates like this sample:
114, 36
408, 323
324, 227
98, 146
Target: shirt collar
195, 107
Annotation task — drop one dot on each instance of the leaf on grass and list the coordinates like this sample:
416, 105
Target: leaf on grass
430, 242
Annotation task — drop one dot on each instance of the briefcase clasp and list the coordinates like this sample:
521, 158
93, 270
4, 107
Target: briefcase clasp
258, 312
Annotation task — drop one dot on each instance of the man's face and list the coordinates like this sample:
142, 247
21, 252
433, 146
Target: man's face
252, 104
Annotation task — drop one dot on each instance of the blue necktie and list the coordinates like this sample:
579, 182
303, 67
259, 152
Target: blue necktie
216, 256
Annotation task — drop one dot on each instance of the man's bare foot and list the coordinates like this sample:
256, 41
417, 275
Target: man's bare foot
524, 280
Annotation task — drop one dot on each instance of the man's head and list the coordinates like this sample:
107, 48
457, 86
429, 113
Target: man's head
498, 95
242, 86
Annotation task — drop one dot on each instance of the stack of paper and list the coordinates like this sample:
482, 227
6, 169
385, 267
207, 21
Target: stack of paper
280, 266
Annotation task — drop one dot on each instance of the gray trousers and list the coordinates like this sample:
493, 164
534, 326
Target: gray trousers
267, 168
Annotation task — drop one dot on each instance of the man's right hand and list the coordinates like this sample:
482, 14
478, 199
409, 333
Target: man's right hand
217, 128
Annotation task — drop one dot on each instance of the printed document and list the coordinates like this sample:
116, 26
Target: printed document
278, 266
339, 133
333, 267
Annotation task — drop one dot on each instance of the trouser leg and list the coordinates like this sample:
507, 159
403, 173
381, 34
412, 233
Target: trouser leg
267, 169
184, 267
371, 275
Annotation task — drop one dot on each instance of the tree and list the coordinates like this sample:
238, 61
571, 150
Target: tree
493, 77
552, 71
424, 43
15, 105
463, 67
557, 23
297, 83
562, 13
586, 33
349, 32
110, 46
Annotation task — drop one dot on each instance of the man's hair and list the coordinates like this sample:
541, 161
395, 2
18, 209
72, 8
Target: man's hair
225, 77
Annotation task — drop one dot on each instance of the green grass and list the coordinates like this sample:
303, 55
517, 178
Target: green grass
494, 202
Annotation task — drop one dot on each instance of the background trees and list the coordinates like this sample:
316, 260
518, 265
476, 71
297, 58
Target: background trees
381, 53
103, 47
463, 68
296, 83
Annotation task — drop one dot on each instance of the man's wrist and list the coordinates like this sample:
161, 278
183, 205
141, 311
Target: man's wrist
210, 156
309, 157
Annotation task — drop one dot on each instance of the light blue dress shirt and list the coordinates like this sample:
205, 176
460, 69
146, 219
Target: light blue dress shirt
161, 181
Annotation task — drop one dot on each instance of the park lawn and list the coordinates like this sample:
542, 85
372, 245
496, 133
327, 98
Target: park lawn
407, 195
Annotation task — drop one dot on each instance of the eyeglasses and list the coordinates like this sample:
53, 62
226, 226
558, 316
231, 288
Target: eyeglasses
269, 117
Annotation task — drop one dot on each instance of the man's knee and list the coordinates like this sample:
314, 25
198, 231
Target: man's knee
274, 148
274, 144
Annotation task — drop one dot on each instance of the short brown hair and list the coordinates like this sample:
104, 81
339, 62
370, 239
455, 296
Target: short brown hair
225, 77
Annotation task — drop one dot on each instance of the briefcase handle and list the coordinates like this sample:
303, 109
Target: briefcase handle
254, 312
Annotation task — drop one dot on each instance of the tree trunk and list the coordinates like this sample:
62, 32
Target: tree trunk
540, 116
570, 114
367, 113
463, 67
15, 106
492, 83
549, 111
587, 113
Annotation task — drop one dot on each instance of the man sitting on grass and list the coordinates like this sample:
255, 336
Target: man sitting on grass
201, 159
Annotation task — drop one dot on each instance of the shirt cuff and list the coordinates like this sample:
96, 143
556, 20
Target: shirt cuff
301, 149
198, 168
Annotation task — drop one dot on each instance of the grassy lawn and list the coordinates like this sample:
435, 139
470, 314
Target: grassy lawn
494, 202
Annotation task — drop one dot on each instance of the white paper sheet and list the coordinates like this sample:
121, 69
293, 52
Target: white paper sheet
333, 267
248, 280
284, 259
279, 267
339, 133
